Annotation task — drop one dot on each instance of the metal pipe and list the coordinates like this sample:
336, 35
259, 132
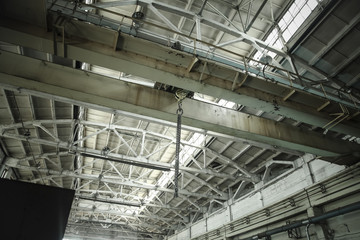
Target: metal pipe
307, 232
199, 13
124, 203
313, 220
124, 161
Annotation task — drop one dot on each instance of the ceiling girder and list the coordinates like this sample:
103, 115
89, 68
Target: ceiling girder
173, 75
290, 83
67, 83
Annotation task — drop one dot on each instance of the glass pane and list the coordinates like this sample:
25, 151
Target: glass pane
292, 28
282, 24
271, 54
299, 20
300, 3
305, 12
290, 23
312, 4
278, 44
287, 18
287, 35
293, 10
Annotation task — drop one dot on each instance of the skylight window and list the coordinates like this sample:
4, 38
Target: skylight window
295, 17
292, 20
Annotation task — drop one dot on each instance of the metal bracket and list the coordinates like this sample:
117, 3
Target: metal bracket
292, 202
341, 116
267, 212
289, 95
323, 188
293, 233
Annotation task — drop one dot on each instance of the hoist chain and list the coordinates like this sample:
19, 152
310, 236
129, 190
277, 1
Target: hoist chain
179, 95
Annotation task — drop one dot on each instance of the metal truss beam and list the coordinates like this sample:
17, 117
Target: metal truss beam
203, 182
113, 222
183, 142
140, 160
116, 228
11, 162
76, 210
129, 203
149, 134
221, 157
192, 15
106, 228
109, 4
98, 236
68, 84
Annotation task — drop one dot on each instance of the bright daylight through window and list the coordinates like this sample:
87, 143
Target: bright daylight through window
292, 20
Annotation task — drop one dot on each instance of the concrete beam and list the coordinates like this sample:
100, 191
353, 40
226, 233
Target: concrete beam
69, 84
164, 65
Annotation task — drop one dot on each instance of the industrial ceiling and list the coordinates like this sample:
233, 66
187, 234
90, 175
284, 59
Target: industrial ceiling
87, 102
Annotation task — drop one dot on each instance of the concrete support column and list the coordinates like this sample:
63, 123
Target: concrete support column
304, 162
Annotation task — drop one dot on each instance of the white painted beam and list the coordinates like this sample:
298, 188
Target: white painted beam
105, 179
75, 209
140, 160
